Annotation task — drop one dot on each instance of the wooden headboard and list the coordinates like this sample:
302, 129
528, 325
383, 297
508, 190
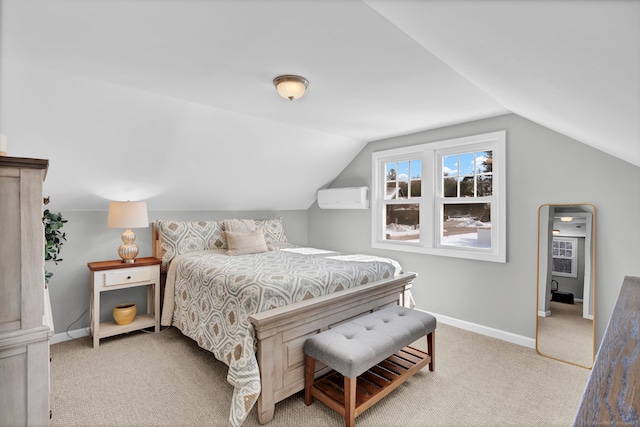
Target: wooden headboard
156, 252
156, 243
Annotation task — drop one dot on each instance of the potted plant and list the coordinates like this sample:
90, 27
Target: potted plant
54, 238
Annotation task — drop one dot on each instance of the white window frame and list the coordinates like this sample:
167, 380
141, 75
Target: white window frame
430, 205
574, 257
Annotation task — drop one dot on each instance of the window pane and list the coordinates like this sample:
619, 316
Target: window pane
467, 164
415, 167
391, 171
416, 188
484, 161
485, 185
450, 187
562, 265
450, 165
403, 171
402, 178
466, 186
415, 175
403, 222
391, 191
467, 225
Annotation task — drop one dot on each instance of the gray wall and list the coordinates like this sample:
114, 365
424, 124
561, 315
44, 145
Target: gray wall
542, 167
89, 239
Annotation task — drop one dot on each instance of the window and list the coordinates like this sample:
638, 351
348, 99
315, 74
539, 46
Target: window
466, 198
403, 188
443, 198
563, 256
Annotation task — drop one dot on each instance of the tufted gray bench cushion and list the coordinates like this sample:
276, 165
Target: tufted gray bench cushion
353, 347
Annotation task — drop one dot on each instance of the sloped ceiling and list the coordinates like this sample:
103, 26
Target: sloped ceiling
172, 101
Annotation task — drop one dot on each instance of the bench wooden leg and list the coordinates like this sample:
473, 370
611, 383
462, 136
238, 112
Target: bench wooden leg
431, 349
309, 373
350, 401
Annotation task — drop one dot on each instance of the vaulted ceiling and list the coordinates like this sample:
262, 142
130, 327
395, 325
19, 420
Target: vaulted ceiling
172, 101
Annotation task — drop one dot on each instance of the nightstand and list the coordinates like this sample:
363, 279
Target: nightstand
111, 275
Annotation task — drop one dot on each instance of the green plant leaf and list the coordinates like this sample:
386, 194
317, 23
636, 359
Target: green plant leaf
54, 238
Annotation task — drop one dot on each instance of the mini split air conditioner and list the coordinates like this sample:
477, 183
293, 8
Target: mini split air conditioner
344, 198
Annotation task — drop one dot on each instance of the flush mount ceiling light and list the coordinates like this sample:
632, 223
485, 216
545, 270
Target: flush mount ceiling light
291, 87
566, 218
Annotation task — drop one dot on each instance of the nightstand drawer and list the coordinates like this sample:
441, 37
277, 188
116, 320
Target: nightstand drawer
132, 275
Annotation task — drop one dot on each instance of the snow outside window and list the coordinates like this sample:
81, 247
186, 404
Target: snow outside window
443, 198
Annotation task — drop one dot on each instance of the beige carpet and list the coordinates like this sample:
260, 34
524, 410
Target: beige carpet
165, 379
566, 335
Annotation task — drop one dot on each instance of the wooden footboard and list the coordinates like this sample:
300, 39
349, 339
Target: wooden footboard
281, 333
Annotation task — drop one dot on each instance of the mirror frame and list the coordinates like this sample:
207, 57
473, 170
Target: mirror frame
593, 278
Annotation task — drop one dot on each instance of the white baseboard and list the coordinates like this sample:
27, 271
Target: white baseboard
67, 336
462, 324
484, 330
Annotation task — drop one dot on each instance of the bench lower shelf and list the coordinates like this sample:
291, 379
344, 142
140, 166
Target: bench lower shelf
372, 385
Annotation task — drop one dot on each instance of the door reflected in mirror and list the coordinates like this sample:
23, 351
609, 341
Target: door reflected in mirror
566, 283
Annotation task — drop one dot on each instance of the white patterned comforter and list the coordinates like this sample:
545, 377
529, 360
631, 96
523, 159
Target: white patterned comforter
213, 295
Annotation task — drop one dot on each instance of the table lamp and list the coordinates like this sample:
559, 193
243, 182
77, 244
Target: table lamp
128, 215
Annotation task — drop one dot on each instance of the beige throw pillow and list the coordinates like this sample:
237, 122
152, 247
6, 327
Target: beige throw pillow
246, 242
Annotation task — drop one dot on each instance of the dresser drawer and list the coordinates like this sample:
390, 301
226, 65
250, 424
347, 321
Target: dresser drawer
130, 275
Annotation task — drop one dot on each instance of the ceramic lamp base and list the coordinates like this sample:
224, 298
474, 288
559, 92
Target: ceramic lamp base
128, 250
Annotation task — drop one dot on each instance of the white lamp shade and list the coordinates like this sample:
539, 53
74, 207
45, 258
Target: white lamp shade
127, 215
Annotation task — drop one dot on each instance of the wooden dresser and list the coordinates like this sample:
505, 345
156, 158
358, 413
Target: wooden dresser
612, 396
26, 325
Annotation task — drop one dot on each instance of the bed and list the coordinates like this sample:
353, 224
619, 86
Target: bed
242, 291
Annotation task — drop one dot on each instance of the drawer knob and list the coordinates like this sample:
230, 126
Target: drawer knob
128, 277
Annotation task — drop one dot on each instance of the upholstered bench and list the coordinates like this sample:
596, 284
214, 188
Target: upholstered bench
370, 356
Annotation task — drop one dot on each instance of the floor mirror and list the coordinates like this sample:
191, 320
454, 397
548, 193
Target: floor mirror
565, 304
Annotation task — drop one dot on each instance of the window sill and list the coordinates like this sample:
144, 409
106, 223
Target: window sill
465, 253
